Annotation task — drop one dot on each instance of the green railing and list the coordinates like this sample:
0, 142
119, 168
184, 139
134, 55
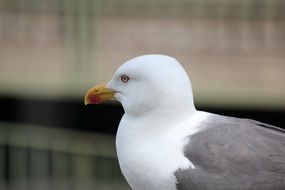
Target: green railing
34, 157
250, 9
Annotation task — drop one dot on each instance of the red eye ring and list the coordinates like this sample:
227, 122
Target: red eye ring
125, 78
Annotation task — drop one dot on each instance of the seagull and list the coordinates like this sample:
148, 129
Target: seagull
164, 143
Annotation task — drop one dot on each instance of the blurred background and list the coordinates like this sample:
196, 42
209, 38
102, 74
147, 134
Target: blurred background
53, 51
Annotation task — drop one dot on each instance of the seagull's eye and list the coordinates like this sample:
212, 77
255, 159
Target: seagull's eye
125, 78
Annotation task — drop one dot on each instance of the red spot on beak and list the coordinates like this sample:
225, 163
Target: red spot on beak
94, 99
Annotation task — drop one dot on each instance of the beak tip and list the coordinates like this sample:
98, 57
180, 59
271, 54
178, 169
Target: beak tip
86, 102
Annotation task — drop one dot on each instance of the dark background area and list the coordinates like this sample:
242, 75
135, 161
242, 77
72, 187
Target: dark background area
103, 118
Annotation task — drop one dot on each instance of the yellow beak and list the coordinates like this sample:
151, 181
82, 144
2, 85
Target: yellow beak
99, 94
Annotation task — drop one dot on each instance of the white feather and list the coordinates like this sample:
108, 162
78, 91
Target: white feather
149, 158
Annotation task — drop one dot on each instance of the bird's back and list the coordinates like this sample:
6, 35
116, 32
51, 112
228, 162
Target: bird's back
235, 153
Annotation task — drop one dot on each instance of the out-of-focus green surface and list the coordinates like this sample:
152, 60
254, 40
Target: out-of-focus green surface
35, 157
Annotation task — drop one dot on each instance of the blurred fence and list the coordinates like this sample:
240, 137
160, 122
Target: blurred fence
34, 157
74, 22
233, 50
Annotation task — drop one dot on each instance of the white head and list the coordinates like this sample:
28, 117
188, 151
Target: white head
147, 83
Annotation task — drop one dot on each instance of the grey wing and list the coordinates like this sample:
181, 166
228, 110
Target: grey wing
234, 154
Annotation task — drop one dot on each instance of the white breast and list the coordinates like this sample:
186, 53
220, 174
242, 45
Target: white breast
149, 156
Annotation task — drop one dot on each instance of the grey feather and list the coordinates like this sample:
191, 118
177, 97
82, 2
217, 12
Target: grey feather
237, 154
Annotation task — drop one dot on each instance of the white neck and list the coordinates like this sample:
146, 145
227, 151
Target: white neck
149, 151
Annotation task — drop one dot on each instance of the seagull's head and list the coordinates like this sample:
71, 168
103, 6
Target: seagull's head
146, 83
